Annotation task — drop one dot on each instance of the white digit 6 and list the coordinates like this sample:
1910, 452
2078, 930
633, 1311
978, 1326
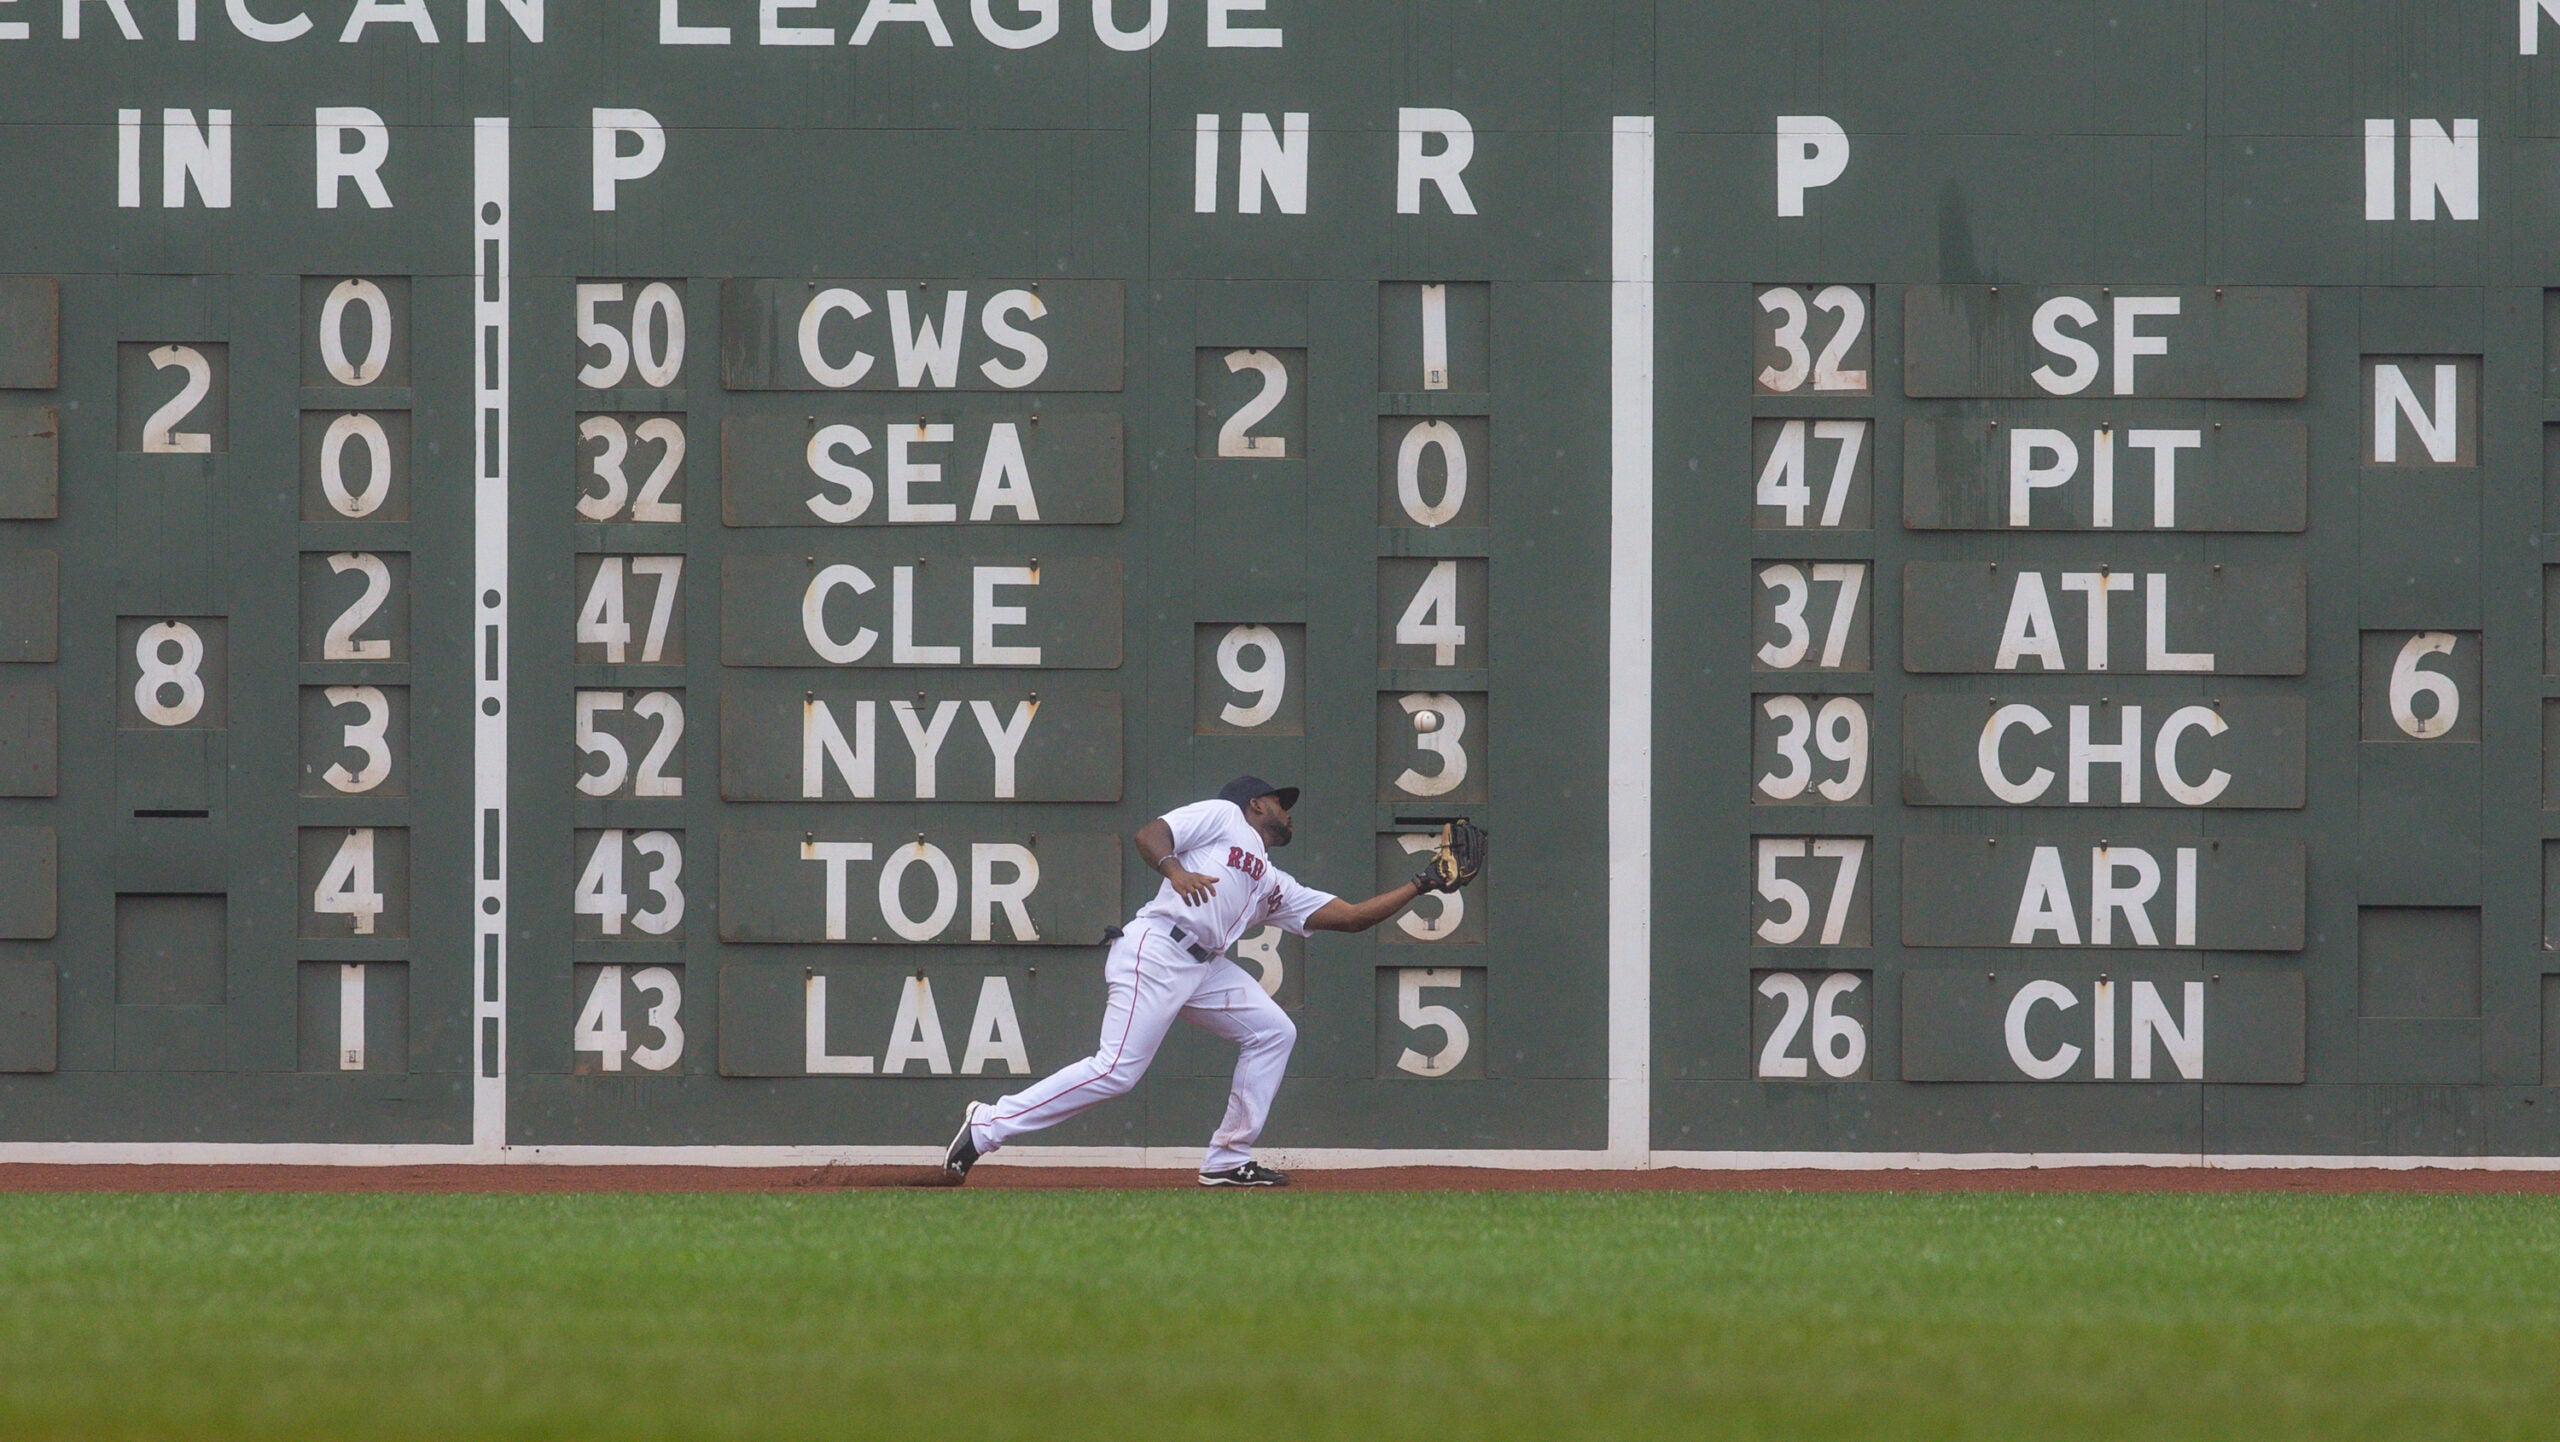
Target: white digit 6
2408, 682
1784, 301
341, 644
158, 673
1789, 784
366, 736
669, 993
1840, 733
1441, 742
1794, 591
1267, 682
1839, 1043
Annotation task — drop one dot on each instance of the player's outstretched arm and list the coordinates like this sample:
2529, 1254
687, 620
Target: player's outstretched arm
1341, 915
1155, 848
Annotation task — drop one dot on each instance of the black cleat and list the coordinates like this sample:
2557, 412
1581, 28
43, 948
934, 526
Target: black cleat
1251, 1174
962, 1154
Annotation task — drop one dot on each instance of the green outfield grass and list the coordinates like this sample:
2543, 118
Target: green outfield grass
1137, 1315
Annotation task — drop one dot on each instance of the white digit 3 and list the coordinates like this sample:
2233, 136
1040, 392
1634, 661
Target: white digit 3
366, 736
1442, 742
1788, 612
158, 674
667, 995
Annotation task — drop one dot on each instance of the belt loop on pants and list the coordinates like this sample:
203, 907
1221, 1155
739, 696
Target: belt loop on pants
1190, 943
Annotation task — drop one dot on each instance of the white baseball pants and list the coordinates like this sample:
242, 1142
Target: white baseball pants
1151, 982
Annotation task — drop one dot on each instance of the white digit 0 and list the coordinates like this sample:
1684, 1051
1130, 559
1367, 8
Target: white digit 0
658, 363
1426, 435
355, 426
333, 332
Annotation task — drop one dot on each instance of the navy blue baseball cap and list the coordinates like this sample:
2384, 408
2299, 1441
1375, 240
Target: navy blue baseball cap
1243, 789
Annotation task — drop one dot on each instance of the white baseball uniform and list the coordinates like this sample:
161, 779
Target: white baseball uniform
1172, 962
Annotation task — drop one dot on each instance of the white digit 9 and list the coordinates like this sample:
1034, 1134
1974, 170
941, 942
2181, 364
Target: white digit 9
1840, 734
159, 673
366, 736
2408, 682
1267, 681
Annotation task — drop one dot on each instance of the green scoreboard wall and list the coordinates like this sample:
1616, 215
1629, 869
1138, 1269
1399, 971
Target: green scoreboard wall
598, 580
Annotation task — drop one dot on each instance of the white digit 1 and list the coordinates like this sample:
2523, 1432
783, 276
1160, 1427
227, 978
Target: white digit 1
1791, 712
1441, 741
158, 673
1235, 438
341, 644
1793, 591
599, 893
663, 882
1786, 987
662, 983
1431, 618
1783, 931
596, 741
2408, 682
1839, 1043
1841, 735
1267, 682
160, 435
599, 1025
366, 736
1410, 984
347, 887
355, 426
1783, 301
608, 468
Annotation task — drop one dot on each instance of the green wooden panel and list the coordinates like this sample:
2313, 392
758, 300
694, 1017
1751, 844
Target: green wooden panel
2244, 342
2162, 471
875, 884
878, 606
30, 463
30, 597
2043, 1024
2174, 619
29, 882
30, 1011
2084, 749
2134, 891
30, 332
30, 739
873, 468
1008, 740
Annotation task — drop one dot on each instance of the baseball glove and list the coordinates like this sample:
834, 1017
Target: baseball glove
1458, 858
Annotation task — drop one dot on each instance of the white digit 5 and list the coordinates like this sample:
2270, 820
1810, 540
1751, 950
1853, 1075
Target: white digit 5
661, 983
355, 426
1453, 904
1841, 735
1410, 984
347, 887
1793, 591
662, 883
594, 332
341, 644
333, 332
1852, 310
1784, 302
1797, 717
596, 741
159, 673
2408, 682
160, 435
1442, 742
1786, 987
1235, 438
366, 736
1267, 682
608, 468
652, 779
1776, 930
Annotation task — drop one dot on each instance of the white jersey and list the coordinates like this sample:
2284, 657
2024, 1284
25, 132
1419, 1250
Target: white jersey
1213, 839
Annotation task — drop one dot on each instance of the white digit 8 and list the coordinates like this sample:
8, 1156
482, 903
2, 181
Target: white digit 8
158, 674
2408, 682
1840, 733
1266, 682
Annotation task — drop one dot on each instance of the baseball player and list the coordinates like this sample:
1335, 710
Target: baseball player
1219, 883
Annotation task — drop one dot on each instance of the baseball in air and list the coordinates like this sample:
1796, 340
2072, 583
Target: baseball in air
1426, 722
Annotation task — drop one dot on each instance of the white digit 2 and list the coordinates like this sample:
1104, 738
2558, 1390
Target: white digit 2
160, 435
341, 644
1852, 310
159, 673
1235, 438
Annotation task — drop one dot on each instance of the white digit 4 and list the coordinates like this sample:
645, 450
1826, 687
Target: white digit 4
668, 993
1266, 682
1797, 717
160, 435
1784, 302
2409, 681
1782, 478
594, 740
663, 848
159, 673
340, 644
600, 618
347, 887
599, 892
367, 736
1431, 618
599, 1026
1236, 437
1846, 303
652, 779
1442, 742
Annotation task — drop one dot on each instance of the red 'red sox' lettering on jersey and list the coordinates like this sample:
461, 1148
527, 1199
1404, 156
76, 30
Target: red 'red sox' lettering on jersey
1239, 859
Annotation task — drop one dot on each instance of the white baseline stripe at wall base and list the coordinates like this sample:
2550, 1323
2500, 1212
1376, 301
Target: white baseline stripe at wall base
1630, 803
